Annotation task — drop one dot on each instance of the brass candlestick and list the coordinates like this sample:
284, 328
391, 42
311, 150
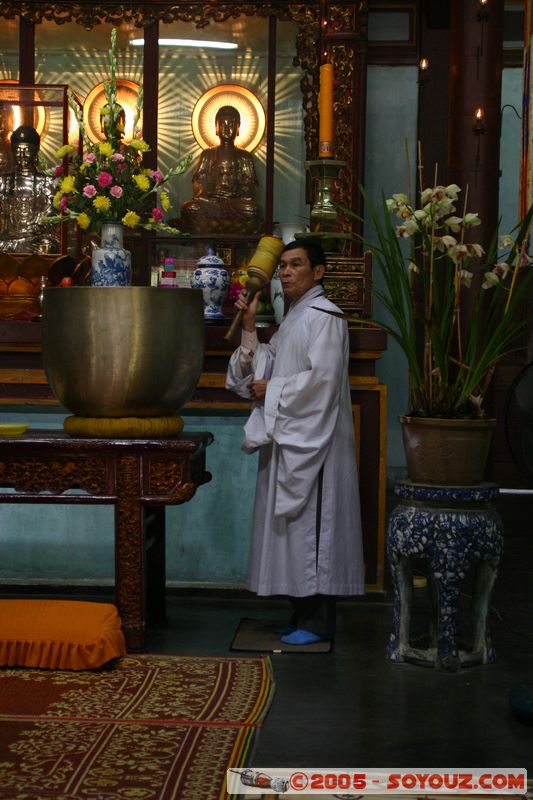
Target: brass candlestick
324, 171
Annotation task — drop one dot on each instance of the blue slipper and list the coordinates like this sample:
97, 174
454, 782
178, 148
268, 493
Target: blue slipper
283, 630
299, 636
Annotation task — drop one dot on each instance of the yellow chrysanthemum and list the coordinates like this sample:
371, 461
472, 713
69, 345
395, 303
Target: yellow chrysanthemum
57, 199
131, 219
83, 220
83, 166
165, 201
67, 184
140, 145
106, 149
66, 150
147, 171
142, 182
102, 204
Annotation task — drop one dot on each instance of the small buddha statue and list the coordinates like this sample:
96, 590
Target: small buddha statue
26, 196
113, 125
224, 185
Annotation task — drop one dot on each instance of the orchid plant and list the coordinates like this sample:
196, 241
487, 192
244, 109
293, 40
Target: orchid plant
451, 355
109, 183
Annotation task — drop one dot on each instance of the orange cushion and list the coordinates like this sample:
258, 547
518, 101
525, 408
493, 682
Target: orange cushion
59, 634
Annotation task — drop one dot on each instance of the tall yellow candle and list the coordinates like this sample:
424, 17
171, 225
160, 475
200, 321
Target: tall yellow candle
325, 112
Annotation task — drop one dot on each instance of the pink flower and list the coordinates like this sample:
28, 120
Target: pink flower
157, 215
105, 179
234, 291
117, 157
58, 171
89, 190
63, 203
116, 191
90, 157
157, 175
121, 165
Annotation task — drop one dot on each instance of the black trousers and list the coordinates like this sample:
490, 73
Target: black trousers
315, 613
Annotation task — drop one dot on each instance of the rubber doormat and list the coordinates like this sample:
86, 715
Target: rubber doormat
258, 636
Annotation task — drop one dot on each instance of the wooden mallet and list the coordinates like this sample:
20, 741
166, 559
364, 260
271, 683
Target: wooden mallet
260, 269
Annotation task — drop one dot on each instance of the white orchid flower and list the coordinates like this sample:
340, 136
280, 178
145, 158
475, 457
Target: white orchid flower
476, 250
466, 278
438, 193
501, 269
490, 280
505, 241
412, 267
404, 212
425, 197
407, 229
444, 207
458, 253
454, 223
452, 190
445, 242
471, 220
399, 199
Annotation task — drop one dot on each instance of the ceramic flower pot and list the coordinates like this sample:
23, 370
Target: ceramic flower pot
450, 452
111, 263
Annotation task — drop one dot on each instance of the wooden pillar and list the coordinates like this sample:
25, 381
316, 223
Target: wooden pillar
26, 52
475, 83
150, 124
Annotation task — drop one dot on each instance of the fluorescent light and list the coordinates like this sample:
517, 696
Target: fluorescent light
190, 43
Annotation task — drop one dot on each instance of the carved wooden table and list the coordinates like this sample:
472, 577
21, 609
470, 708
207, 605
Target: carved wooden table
139, 477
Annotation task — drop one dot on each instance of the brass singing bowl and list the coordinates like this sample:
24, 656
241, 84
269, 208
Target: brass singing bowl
129, 351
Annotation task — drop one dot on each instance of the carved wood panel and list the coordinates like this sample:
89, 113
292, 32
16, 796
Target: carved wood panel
56, 475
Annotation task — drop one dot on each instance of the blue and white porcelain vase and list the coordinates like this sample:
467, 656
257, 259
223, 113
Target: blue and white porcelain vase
111, 264
212, 277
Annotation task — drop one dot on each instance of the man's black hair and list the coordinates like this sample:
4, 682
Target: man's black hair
312, 247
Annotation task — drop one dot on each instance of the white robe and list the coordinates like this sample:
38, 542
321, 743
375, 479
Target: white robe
304, 432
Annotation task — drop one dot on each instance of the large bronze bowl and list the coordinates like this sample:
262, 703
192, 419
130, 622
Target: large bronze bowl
122, 351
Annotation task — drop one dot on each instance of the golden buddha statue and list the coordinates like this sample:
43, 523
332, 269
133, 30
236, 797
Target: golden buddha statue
26, 196
224, 185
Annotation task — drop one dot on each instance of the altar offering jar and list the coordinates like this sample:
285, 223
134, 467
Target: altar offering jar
213, 279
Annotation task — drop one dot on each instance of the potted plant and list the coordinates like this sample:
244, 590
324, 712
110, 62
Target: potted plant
430, 265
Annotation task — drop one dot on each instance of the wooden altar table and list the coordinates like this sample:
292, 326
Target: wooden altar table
139, 477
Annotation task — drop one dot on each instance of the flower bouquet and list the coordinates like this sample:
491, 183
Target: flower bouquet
109, 183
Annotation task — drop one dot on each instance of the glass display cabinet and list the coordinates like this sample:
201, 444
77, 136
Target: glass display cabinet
30, 250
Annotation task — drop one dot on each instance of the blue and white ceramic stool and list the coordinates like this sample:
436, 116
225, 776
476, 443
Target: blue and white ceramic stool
453, 528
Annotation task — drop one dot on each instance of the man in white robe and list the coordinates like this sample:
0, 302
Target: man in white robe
306, 538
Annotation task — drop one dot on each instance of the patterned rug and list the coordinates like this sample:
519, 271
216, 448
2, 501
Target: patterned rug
145, 727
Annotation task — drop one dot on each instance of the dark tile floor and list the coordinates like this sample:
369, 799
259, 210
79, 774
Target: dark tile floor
354, 708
